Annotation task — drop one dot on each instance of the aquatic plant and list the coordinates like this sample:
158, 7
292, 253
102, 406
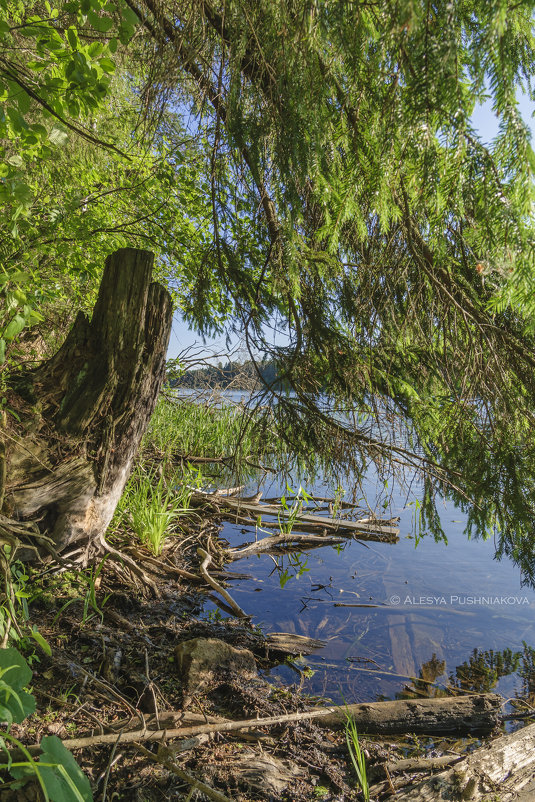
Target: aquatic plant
298, 563
357, 755
289, 514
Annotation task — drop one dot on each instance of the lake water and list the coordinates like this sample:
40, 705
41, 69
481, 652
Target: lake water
437, 603
446, 612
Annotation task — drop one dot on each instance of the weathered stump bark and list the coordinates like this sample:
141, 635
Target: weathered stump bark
502, 770
84, 411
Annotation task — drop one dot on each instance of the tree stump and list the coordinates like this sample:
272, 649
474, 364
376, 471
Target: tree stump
83, 414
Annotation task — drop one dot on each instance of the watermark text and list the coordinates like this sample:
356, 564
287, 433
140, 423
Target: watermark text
454, 600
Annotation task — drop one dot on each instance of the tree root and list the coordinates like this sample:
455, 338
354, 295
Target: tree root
25, 535
132, 565
216, 586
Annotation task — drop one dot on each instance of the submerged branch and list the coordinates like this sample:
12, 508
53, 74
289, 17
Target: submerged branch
368, 529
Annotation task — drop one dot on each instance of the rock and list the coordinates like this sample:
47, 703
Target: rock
203, 662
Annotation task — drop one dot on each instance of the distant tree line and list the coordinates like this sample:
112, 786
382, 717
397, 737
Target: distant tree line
230, 375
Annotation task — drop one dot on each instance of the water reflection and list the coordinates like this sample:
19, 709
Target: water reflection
393, 617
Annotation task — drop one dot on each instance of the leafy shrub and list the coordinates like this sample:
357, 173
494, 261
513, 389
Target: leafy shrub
55, 769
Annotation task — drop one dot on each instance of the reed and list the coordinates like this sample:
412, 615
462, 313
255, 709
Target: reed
188, 427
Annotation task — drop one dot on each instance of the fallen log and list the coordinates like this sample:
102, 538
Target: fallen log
450, 716
417, 764
276, 542
503, 769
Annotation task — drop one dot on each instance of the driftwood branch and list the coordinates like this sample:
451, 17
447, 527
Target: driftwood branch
206, 560
275, 542
290, 643
417, 764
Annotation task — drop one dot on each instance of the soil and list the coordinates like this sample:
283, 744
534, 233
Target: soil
113, 668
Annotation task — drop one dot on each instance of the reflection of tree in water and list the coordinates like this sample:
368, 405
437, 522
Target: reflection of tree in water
479, 674
484, 668
527, 672
429, 673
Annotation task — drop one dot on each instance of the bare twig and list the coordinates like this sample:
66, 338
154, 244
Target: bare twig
164, 759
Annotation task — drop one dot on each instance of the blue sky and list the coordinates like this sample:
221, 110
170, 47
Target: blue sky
182, 337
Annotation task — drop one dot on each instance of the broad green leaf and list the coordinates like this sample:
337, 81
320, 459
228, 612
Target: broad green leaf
2, 350
107, 65
6, 714
18, 277
15, 670
14, 327
20, 296
129, 16
15, 705
23, 193
18, 122
37, 66
22, 705
95, 49
72, 36
101, 24
58, 135
23, 101
33, 316
63, 777
125, 33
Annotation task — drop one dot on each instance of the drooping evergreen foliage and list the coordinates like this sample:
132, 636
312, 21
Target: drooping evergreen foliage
390, 244
310, 165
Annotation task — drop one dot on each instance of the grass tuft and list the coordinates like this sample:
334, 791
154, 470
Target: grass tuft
357, 755
151, 506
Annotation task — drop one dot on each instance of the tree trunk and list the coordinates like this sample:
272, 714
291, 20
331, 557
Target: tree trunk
83, 413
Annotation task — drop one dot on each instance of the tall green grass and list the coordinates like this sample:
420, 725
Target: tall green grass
184, 427
155, 499
151, 505
357, 755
